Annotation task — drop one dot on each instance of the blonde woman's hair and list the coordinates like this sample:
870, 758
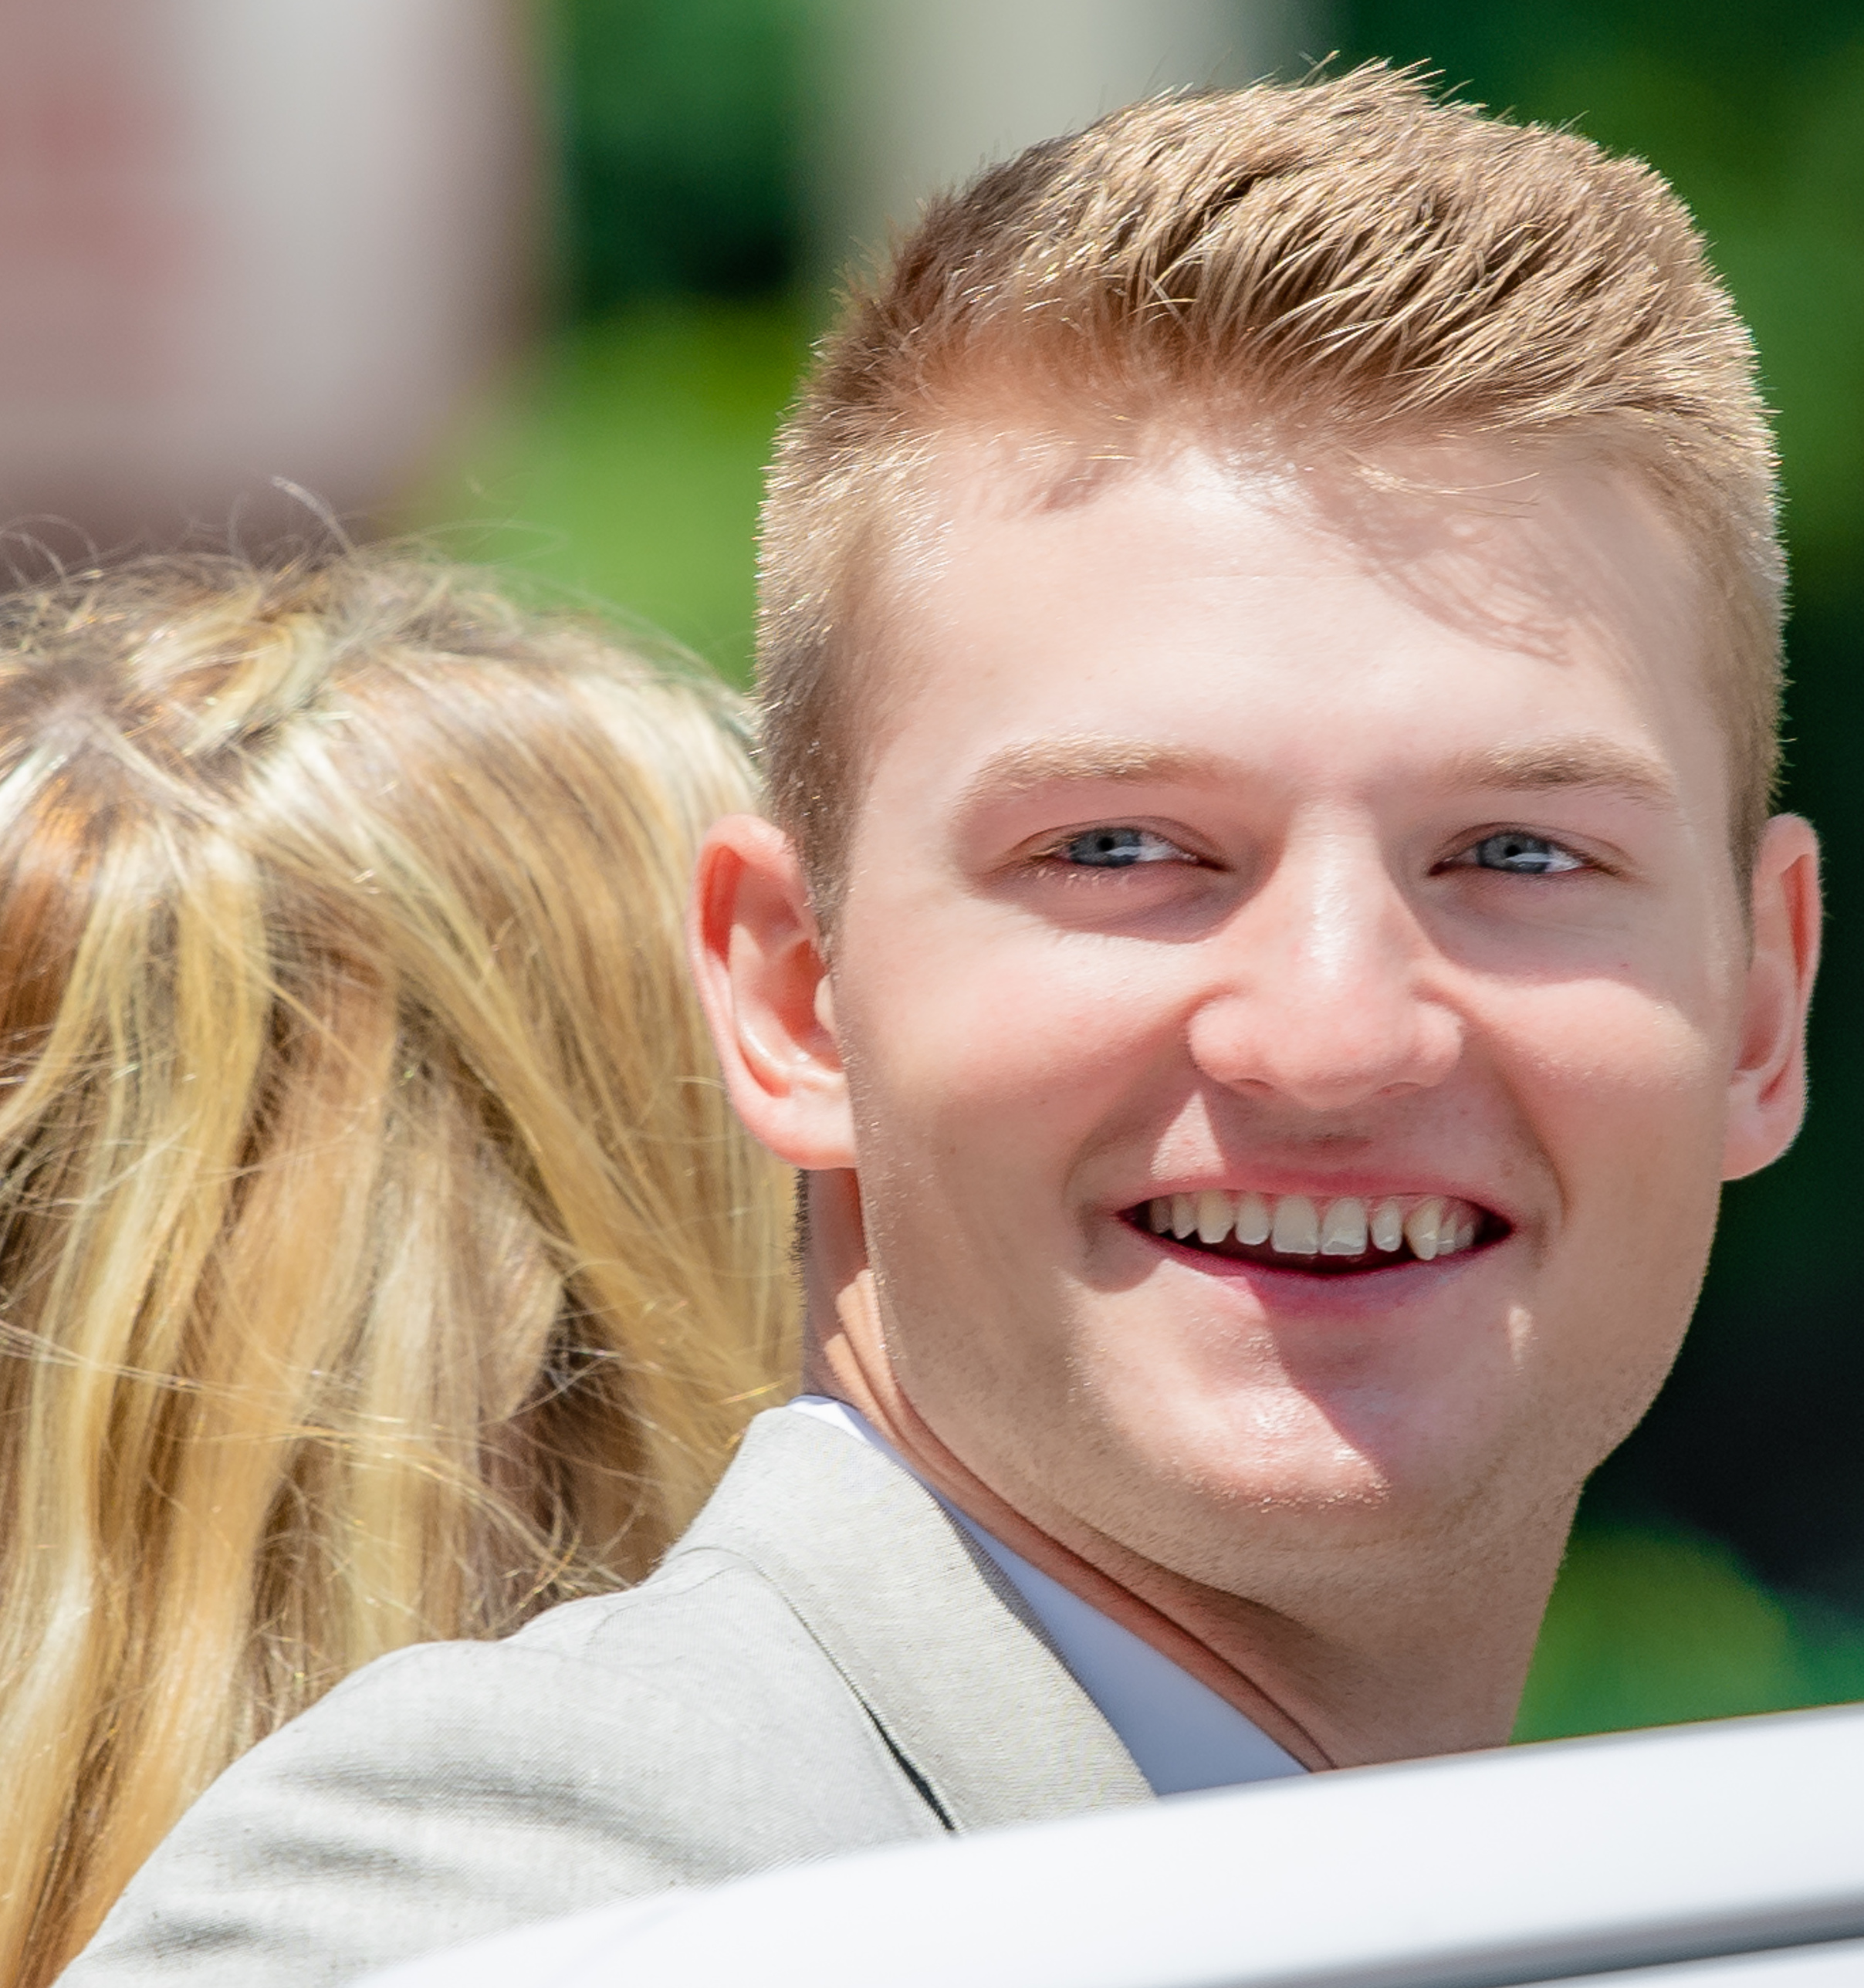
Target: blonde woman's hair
1319, 271
379, 1258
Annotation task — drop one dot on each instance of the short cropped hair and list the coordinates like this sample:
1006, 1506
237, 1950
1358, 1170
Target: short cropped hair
1353, 264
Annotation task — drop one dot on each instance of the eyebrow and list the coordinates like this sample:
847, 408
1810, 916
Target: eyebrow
1587, 762
1591, 761
1019, 768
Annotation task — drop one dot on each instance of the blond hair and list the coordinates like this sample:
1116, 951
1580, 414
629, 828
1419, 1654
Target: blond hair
379, 1258
1345, 265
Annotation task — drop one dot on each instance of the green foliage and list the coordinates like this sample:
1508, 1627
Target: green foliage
1647, 1629
679, 147
626, 466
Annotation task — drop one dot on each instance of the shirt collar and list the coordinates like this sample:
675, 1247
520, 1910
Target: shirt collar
1183, 1737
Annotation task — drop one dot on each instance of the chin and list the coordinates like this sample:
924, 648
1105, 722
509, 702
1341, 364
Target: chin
1289, 1466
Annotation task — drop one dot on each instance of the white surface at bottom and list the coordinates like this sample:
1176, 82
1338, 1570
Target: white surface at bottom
1578, 1861
1838, 1964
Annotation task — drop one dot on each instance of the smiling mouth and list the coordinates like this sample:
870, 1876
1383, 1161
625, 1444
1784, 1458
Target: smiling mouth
1346, 1236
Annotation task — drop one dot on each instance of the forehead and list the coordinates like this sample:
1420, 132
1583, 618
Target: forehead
1439, 604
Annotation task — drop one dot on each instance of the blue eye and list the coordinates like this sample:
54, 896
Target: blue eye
1116, 849
1519, 855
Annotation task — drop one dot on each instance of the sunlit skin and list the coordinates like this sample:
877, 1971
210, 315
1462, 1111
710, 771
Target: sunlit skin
1308, 837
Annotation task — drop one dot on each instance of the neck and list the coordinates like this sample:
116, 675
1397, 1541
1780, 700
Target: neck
1424, 1654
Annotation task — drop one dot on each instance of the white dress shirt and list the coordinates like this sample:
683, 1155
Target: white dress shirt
1183, 1737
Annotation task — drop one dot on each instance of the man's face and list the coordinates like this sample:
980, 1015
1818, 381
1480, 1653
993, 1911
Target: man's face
1357, 871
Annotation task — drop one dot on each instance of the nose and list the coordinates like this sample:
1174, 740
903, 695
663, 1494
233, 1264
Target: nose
1324, 991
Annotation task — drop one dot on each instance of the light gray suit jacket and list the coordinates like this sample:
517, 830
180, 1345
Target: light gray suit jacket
823, 1663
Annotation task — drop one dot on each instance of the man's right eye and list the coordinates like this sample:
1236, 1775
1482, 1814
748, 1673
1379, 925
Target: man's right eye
1116, 849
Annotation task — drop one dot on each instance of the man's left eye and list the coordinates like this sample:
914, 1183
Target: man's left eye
1116, 849
1519, 854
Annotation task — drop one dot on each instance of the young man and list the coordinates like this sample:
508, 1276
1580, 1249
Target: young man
1269, 937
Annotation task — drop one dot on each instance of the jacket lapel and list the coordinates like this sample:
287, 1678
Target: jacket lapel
938, 1647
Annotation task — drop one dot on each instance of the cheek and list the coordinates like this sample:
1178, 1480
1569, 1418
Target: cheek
1032, 1048
1615, 1076
1627, 1096
975, 1097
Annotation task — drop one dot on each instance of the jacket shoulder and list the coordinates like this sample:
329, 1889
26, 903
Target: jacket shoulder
685, 1731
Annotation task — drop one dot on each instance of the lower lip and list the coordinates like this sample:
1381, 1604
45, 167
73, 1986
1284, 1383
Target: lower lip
1302, 1291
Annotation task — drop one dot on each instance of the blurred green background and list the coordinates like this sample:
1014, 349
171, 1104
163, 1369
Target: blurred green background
1719, 1563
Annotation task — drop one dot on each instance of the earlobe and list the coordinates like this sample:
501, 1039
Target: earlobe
1767, 1090
757, 956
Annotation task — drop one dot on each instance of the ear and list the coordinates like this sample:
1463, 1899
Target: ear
1766, 1095
757, 957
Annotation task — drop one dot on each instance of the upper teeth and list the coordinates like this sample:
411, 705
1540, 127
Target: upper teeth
1294, 1225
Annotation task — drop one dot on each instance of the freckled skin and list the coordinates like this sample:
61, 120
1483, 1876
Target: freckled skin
1319, 981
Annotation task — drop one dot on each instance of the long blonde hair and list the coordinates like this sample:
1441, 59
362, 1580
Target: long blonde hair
379, 1258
